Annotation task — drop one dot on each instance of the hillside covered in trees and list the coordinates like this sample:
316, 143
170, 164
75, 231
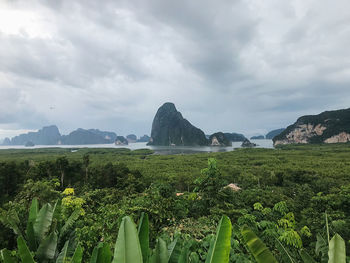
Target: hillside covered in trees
282, 195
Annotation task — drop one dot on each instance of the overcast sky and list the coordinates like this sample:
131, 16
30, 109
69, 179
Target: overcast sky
236, 66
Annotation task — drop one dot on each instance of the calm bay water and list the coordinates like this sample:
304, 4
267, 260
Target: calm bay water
157, 149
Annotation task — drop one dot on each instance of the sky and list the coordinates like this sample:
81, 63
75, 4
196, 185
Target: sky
245, 66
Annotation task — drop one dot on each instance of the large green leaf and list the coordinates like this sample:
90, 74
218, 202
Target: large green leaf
11, 220
47, 247
258, 249
321, 248
94, 255
174, 251
127, 247
336, 252
160, 252
23, 251
306, 257
185, 252
219, 250
43, 222
194, 258
143, 232
78, 254
62, 257
31, 237
5, 255
57, 210
33, 212
69, 223
104, 253
101, 254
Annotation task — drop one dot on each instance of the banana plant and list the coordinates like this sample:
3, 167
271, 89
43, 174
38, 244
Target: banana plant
132, 246
256, 247
127, 247
44, 231
219, 250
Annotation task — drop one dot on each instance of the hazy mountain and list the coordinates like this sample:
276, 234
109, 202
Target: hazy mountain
235, 137
131, 138
258, 137
92, 136
48, 135
144, 138
274, 133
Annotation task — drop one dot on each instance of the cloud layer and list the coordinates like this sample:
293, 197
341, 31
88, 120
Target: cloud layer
242, 65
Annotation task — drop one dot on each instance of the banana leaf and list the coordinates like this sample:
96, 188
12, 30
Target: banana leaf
127, 247
258, 249
219, 250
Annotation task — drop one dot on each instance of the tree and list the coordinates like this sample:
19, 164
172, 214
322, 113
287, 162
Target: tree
86, 161
62, 164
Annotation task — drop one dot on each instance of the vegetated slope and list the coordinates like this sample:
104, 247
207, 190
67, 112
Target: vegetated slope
327, 127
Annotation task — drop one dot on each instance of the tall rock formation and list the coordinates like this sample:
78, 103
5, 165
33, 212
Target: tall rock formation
170, 128
327, 127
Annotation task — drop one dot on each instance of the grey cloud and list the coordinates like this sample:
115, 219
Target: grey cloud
237, 65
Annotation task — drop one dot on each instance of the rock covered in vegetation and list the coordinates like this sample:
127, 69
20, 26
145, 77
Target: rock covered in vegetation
170, 128
6, 141
235, 137
248, 144
29, 144
120, 140
144, 138
48, 135
219, 139
327, 127
274, 133
131, 138
258, 137
91, 136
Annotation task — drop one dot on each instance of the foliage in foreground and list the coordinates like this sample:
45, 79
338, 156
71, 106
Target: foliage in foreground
45, 231
284, 194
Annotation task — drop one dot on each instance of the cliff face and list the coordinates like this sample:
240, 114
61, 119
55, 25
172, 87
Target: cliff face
219, 139
170, 128
327, 127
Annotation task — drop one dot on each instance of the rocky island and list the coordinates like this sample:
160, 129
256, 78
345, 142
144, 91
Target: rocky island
50, 135
170, 128
327, 127
258, 137
219, 139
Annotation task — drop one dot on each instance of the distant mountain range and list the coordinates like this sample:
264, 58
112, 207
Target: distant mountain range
170, 128
50, 135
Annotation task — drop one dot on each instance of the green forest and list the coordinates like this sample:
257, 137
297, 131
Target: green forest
289, 204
